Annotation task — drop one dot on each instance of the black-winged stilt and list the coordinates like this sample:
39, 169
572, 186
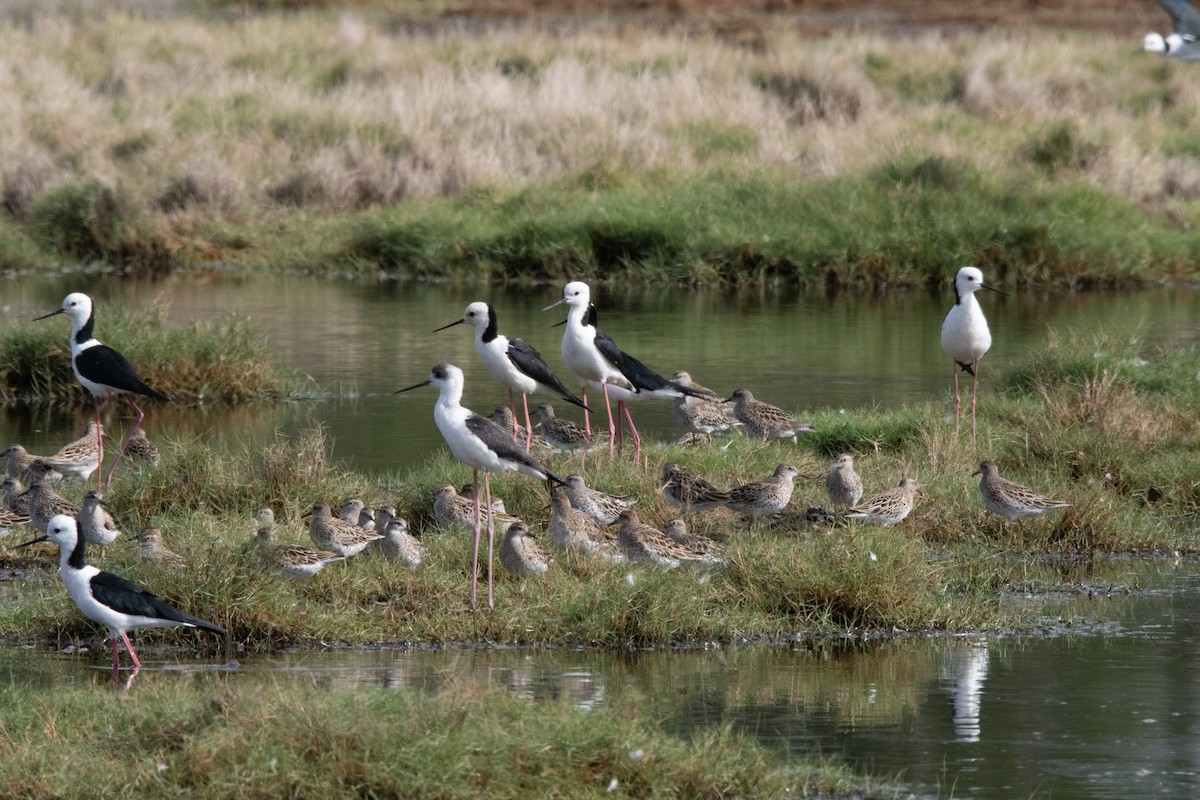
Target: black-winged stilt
102, 370
109, 599
514, 363
481, 444
965, 334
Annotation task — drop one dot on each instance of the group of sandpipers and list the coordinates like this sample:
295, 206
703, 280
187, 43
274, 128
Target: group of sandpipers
579, 515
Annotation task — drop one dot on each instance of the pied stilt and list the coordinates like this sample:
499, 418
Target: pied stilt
593, 356
965, 334
102, 370
514, 363
1184, 42
481, 444
110, 599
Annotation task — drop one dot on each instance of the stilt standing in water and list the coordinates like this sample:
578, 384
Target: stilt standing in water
102, 370
965, 335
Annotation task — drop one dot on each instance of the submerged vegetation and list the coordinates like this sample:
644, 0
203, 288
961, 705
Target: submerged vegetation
1071, 426
334, 141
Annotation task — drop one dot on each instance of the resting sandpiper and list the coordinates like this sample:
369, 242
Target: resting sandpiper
677, 529
520, 553
95, 524
291, 560
350, 509
647, 544
768, 496
706, 412
150, 541
14, 499
141, 450
765, 421
890, 507
43, 503
562, 434
600, 506
398, 544
1012, 500
689, 491
574, 532
334, 534
843, 483
452, 510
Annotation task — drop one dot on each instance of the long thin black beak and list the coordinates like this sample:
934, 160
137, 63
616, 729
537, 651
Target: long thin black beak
556, 303
993, 289
35, 541
414, 386
451, 325
51, 314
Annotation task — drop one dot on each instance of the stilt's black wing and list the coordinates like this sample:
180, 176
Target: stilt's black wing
129, 598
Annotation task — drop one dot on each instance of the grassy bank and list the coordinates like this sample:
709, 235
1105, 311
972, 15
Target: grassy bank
334, 141
1077, 420
221, 739
218, 361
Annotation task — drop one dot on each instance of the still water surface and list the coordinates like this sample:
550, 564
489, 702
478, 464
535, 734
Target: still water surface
360, 341
1104, 715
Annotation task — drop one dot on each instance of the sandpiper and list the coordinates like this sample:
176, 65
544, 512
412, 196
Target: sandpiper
331, 533
576, 533
95, 524
348, 509
100, 369
768, 496
108, 599
677, 529
290, 560
521, 554
688, 491
398, 544
1012, 500
42, 503
600, 506
467, 492
150, 541
141, 450
538, 446
765, 421
1183, 42
366, 520
888, 508
562, 434
705, 412
80, 458
965, 335
843, 484
14, 499
10, 520
19, 463
452, 510
482, 445
514, 363
647, 544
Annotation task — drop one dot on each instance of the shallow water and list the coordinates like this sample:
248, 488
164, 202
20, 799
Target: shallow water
360, 341
1104, 714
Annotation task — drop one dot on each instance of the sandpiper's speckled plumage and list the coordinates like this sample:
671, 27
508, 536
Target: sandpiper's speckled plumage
693, 439
349, 509
140, 450
843, 483
765, 421
330, 533
467, 492
13, 493
768, 496
706, 412
96, 525
563, 434
538, 446
648, 545
575, 532
291, 560
521, 554
1012, 500
19, 463
398, 543
150, 541
80, 458
42, 504
890, 507
677, 529
10, 520
452, 510
600, 506
688, 491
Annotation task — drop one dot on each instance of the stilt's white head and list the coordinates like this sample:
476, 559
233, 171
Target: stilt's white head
1154, 43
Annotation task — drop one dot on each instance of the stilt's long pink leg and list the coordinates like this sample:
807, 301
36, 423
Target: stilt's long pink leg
528, 425
475, 556
491, 528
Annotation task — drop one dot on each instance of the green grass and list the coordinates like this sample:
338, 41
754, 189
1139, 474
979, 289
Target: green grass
1076, 433
217, 361
220, 737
